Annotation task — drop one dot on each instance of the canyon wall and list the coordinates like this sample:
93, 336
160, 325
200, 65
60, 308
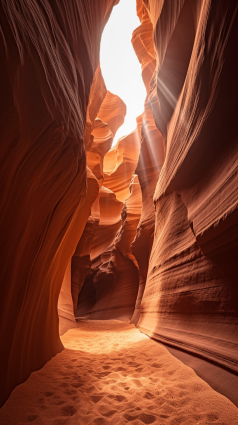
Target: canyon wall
151, 155
49, 54
145, 231
185, 245
191, 294
111, 282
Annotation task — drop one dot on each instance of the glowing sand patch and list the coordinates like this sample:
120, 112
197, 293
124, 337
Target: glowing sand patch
139, 381
97, 343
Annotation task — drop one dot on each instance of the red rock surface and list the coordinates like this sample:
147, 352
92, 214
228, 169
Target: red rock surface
190, 298
49, 54
98, 139
65, 304
151, 155
146, 230
120, 163
111, 288
69, 293
111, 283
112, 111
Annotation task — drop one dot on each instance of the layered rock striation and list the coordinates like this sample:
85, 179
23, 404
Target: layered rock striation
190, 298
111, 287
145, 231
105, 218
49, 55
151, 155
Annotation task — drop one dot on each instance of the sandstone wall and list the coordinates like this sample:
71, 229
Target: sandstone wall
49, 54
191, 294
151, 222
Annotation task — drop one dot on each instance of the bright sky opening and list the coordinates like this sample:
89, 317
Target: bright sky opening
120, 67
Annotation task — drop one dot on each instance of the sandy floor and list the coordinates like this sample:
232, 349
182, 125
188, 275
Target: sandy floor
110, 373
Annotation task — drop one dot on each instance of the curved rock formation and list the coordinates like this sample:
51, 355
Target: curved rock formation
97, 95
152, 221
112, 111
65, 304
110, 289
69, 290
103, 292
110, 222
151, 155
105, 220
190, 299
49, 54
120, 163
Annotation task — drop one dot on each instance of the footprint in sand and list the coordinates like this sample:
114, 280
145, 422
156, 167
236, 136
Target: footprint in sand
130, 418
60, 422
143, 417
42, 407
48, 394
90, 389
69, 392
178, 420
68, 410
147, 419
64, 374
77, 384
31, 418
102, 374
137, 382
139, 369
100, 421
110, 414
58, 402
64, 384
212, 417
74, 397
156, 365
119, 398
148, 396
122, 385
96, 398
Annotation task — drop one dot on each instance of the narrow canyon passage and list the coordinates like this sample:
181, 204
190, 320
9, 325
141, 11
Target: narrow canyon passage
118, 212
110, 373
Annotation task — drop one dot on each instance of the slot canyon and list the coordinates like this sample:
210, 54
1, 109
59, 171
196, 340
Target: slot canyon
119, 258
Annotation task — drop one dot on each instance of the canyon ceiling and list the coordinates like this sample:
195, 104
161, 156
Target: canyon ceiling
146, 231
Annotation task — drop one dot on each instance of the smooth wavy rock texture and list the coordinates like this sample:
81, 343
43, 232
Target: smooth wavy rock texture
112, 111
69, 292
120, 163
111, 288
110, 270
105, 111
49, 54
145, 231
151, 155
191, 295
65, 304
